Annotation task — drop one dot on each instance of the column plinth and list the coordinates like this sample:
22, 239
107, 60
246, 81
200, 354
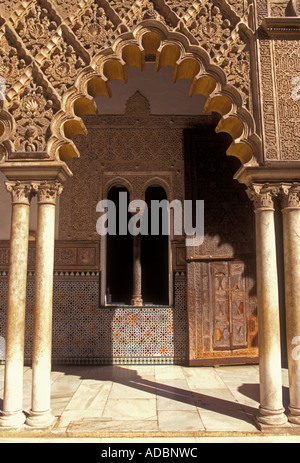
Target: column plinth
12, 415
271, 411
40, 414
290, 196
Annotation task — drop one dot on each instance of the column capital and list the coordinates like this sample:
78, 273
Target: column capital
47, 192
290, 195
263, 195
21, 192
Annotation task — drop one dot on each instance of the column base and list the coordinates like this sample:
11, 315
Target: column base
136, 301
40, 419
12, 419
271, 418
294, 415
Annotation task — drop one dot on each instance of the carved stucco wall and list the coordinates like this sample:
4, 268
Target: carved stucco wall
135, 150
279, 61
46, 45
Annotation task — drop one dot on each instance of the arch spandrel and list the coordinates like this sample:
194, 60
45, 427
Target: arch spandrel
132, 33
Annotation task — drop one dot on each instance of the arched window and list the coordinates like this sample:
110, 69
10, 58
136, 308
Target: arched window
155, 256
119, 257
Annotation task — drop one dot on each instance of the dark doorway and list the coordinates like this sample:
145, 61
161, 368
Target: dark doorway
119, 258
154, 253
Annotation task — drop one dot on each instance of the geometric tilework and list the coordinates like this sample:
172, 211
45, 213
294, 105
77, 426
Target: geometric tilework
84, 333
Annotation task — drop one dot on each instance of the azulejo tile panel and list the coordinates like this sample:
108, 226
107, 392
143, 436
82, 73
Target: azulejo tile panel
84, 332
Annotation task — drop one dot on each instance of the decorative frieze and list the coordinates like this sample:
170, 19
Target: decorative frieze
78, 256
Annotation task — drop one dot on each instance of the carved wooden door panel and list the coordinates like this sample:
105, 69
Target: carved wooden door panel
228, 305
222, 311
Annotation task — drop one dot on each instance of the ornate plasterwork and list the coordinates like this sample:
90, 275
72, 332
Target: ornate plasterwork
134, 150
63, 46
33, 113
287, 67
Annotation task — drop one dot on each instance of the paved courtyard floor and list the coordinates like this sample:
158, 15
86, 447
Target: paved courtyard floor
157, 403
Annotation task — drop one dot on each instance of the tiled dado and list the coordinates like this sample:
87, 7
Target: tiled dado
68, 256
85, 333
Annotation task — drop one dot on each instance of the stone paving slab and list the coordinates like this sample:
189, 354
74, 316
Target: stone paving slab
150, 402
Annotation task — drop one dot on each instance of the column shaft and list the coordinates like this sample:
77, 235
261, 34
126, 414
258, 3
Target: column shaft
40, 414
12, 415
291, 238
271, 410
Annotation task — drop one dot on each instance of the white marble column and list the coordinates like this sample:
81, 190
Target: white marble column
290, 195
12, 414
271, 411
40, 413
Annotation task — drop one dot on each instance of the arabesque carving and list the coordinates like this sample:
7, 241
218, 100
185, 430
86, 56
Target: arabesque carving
33, 113
93, 28
64, 45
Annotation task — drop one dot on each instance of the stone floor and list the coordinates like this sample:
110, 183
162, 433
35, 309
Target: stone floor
151, 402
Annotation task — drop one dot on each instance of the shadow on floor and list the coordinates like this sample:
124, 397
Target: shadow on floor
130, 378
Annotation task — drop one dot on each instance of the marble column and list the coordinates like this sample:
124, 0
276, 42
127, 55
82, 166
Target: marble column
12, 414
271, 411
137, 299
290, 201
40, 413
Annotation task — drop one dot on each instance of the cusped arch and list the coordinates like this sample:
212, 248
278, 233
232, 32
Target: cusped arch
7, 128
157, 182
118, 182
168, 49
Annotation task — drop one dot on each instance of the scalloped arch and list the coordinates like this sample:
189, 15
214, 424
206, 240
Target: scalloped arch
152, 38
7, 128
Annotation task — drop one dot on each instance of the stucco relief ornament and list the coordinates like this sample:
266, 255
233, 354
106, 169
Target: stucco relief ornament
150, 12
33, 114
237, 6
92, 28
11, 64
179, 6
36, 28
210, 27
63, 66
236, 65
121, 6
